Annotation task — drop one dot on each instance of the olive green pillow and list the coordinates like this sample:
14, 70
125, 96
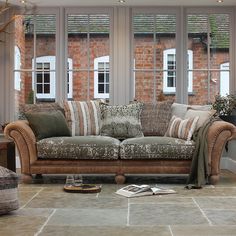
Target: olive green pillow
48, 124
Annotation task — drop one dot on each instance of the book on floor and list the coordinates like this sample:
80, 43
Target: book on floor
134, 190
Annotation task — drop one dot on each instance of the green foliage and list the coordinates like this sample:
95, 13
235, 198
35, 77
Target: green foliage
224, 105
30, 99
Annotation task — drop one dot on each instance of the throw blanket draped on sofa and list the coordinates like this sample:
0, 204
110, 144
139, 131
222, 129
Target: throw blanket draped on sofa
199, 171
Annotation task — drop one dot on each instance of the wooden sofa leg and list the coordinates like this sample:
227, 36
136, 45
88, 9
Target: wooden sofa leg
120, 179
214, 179
26, 179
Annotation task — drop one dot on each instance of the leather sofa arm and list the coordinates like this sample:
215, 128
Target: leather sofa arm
219, 133
25, 141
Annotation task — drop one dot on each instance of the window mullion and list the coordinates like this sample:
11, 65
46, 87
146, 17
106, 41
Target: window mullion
154, 60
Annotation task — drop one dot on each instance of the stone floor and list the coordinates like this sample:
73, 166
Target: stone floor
45, 209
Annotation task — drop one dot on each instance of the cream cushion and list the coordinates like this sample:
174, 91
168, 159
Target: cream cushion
180, 110
181, 128
204, 116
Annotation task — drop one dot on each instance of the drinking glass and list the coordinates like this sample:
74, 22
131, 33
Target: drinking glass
78, 180
70, 181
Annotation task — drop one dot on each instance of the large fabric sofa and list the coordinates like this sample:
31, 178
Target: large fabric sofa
153, 141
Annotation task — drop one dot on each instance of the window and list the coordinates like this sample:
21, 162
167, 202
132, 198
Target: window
152, 34
101, 77
209, 38
169, 67
88, 39
45, 82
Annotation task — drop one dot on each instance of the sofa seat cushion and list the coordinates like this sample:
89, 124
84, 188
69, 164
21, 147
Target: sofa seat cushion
78, 147
156, 147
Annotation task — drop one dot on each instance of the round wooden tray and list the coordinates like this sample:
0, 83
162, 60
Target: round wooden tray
84, 188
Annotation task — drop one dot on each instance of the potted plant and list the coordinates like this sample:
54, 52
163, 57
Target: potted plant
225, 107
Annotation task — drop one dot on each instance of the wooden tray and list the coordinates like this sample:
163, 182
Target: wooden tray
84, 188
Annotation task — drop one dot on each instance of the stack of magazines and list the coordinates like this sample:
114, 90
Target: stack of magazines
134, 190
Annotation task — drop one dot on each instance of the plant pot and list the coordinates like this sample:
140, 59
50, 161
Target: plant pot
231, 119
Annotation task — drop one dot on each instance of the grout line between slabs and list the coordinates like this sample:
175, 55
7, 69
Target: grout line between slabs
203, 213
128, 213
35, 195
171, 232
45, 223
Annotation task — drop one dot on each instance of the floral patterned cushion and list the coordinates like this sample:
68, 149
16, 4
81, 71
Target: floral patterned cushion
156, 148
122, 121
78, 147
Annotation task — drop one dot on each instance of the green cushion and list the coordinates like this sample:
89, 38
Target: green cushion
121, 121
48, 124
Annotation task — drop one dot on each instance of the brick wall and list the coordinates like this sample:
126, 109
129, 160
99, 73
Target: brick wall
99, 46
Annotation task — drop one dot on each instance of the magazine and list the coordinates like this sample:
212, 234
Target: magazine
134, 190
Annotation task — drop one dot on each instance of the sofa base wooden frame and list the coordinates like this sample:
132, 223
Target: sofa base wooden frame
219, 133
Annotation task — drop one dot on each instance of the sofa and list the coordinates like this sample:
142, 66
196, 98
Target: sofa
90, 137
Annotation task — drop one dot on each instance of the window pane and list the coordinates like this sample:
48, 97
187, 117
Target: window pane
107, 77
39, 78
101, 88
46, 78
39, 88
144, 86
45, 36
208, 38
100, 77
153, 35
107, 88
39, 66
88, 39
46, 88
46, 66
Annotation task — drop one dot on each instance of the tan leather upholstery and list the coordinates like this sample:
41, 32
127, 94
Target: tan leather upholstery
219, 133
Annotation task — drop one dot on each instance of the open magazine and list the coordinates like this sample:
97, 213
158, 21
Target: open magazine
134, 190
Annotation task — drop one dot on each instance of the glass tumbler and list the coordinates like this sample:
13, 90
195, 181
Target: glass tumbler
70, 181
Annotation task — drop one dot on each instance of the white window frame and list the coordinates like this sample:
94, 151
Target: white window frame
52, 61
224, 79
17, 64
103, 59
167, 52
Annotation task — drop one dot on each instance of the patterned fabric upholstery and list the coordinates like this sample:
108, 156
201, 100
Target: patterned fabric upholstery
39, 107
79, 147
122, 121
156, 148
8, 191
155, 118
83, 117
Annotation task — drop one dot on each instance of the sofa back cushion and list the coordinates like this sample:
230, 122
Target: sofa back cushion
155, 118
38, 107
83, 117
48, 124
121, 121
183, 129
179, 110
204, 116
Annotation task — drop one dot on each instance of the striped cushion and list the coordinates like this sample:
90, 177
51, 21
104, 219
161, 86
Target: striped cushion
183, 129
8, 191
83, 117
